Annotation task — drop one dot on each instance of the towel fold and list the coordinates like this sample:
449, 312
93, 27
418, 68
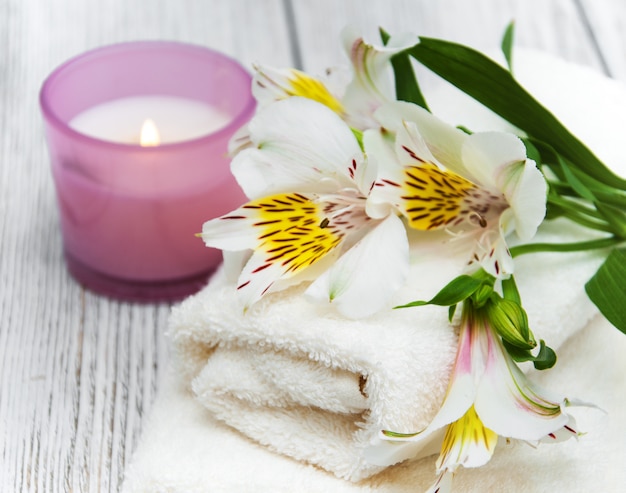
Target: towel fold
317, 387
306, 383
184, 449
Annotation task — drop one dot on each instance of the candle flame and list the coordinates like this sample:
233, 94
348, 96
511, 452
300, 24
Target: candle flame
149, 135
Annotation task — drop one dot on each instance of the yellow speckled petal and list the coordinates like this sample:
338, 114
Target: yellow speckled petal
280, 84
467, 443
433, 198
293, 231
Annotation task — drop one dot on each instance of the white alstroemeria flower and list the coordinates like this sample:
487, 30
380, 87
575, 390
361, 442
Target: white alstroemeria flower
308, 180
480, 185
488, 397
371, 84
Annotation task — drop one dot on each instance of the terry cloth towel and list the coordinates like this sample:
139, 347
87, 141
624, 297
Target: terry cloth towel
303, 382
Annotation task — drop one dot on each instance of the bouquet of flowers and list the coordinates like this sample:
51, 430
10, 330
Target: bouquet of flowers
344, 182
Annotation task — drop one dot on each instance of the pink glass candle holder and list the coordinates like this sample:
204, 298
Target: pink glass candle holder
129, 213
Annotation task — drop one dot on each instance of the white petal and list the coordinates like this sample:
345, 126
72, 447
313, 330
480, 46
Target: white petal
386, 451
372, 84
234, 262
270, 84
512, 406
444, 141
411, 147
486, 154
364, 174
525, 189
379, 148
239, 141
299, 141
233, 231
257, 278
363, 280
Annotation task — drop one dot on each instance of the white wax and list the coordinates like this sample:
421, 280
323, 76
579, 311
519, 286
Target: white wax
177, 119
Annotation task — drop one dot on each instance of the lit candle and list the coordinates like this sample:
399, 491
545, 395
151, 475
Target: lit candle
176, 119
129, 209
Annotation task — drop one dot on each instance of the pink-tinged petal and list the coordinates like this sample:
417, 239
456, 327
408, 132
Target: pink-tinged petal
389, 449
468, 368
525, 189
444, 141
487, 154
364, 278
298, 142
510, 404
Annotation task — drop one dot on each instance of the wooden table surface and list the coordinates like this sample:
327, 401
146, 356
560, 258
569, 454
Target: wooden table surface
78, 372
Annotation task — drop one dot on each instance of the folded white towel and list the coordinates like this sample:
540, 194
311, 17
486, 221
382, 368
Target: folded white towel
313, 386
317, 387
185, 450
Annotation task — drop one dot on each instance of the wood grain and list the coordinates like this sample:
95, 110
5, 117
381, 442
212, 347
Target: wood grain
78, 372
607, 24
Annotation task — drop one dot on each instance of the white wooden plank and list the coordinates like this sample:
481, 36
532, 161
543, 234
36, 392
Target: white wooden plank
607, 22
551, 25
78, 372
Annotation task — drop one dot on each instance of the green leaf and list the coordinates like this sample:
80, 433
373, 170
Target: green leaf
578, 186
457, 290
545, 359
493, 86
407, 87
510, 291
532, 152
395, 434
607, 288
384, 35
406, 84
615, 216
507, 44
578, 246
358, 135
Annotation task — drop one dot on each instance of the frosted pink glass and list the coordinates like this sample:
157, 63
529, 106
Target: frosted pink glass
129, 214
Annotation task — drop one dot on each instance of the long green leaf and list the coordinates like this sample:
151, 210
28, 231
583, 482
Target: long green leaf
495, 87
607, 288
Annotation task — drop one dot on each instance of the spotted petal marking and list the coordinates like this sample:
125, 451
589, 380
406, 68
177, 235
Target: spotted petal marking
431, 198
293, 231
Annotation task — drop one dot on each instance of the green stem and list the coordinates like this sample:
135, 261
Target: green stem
565, 247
